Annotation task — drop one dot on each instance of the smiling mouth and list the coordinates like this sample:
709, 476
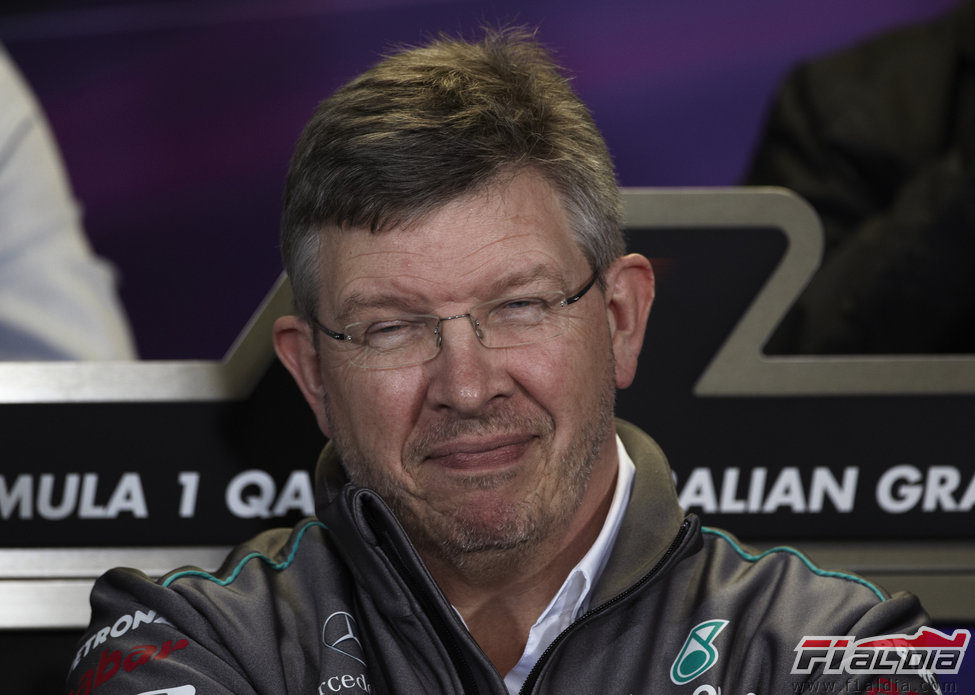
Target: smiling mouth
480, 455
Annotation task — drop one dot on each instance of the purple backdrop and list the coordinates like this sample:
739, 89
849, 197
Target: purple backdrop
176, 119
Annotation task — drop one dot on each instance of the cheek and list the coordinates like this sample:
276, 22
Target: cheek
377, 409
540, 369
563, 373
587, 371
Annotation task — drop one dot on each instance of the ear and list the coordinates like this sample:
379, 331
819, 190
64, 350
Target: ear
629, 294
296, 350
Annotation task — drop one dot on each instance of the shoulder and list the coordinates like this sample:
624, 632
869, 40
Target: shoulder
276, 571
782, 591
767, 604
217, 629
849, 93
268, 557
276, 556
782, 566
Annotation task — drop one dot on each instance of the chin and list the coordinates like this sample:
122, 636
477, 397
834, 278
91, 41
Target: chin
482, 529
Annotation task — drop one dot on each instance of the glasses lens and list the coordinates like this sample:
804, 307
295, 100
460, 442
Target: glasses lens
524, 320
395, 342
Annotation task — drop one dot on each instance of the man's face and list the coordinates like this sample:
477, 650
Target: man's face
478, 449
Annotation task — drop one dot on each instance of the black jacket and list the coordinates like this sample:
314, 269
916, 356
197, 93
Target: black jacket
880, 139
343, 604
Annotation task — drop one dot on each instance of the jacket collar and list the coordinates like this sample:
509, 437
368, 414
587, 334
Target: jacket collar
652, 519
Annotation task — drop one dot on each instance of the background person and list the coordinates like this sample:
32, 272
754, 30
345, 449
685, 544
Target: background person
57, 299
880, 138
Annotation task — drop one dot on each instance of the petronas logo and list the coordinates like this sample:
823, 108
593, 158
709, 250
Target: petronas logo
698, 653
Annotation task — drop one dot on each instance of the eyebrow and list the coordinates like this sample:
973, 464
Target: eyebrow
508, 283
358, 302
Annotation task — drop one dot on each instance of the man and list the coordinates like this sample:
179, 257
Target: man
465, 313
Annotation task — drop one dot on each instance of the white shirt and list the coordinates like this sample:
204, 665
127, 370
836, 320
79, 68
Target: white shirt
572, 599
57, 298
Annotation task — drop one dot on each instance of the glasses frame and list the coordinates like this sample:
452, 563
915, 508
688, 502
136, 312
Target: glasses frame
346, 338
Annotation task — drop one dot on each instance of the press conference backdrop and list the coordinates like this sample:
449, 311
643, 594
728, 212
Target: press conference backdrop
176, 119
863, 462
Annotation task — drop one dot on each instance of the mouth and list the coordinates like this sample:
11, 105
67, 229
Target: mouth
484, 454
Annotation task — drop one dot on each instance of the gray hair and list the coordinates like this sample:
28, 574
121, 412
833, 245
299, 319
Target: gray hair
427, 125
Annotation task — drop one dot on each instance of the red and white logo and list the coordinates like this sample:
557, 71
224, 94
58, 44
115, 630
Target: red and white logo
928, 651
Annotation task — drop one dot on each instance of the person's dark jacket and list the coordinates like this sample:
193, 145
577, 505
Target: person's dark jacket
880, 139
343, 604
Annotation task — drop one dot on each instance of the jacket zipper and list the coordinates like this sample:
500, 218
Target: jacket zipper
529, 683
455, 651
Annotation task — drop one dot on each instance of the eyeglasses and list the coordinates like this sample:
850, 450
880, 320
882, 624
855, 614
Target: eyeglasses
403, 341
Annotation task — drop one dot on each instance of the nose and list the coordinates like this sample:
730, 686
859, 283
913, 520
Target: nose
466, 376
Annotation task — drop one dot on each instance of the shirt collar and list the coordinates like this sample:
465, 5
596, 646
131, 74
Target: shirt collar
572, 599
594, 561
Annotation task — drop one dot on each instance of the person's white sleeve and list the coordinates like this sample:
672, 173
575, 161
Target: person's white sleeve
57, 299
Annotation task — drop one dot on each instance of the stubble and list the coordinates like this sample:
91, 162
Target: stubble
470, 538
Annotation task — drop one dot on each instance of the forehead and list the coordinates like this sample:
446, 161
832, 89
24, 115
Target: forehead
468, 245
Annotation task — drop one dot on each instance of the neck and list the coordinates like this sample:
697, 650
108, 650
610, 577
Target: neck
501, 594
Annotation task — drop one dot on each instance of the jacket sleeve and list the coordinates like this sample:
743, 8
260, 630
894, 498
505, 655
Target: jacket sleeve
146, 639
901, 614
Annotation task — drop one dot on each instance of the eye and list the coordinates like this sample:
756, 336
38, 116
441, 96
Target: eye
386, 328
393, 334
520, 309
521, 303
